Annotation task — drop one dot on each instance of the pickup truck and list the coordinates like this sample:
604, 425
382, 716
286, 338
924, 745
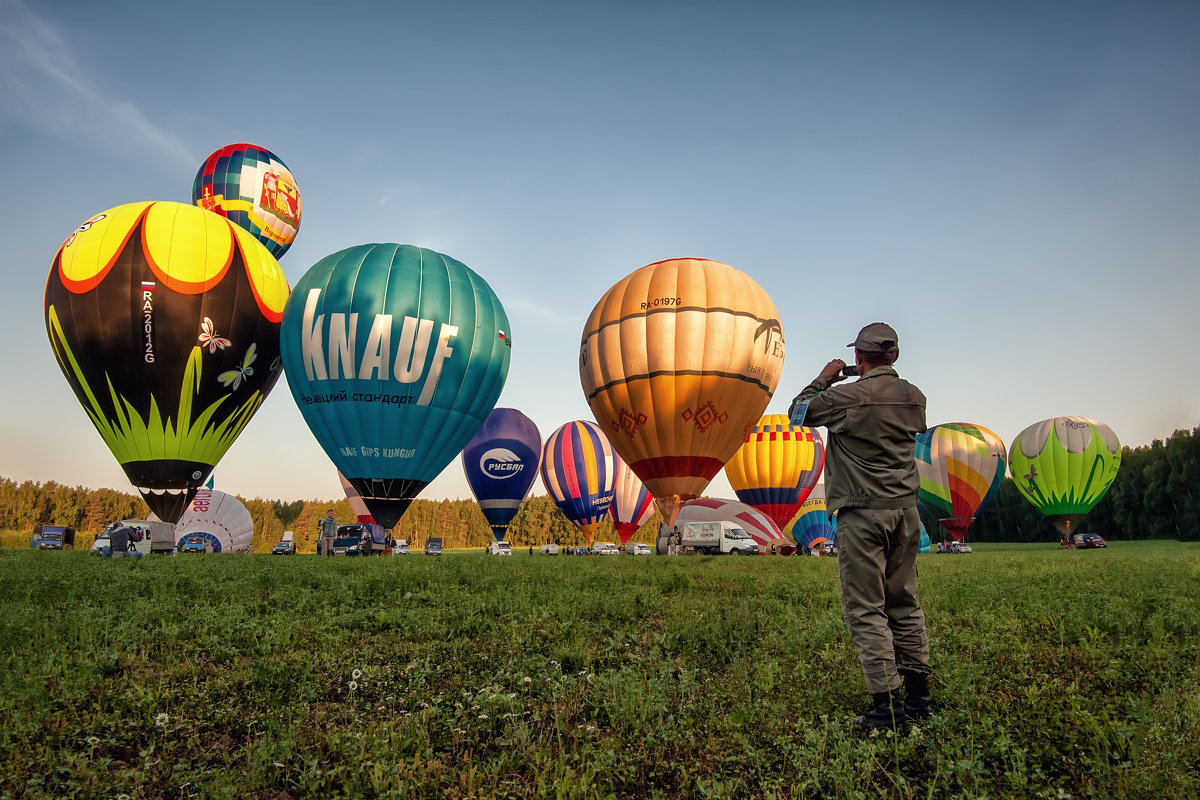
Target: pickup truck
53, 537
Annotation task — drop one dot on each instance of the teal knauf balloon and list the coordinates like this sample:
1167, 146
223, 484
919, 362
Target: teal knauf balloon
395, 355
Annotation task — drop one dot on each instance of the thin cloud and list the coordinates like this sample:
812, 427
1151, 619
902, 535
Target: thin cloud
44, 89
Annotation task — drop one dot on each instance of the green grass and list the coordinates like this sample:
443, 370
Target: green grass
1058, 674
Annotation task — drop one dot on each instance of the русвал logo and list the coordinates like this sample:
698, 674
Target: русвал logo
500, 463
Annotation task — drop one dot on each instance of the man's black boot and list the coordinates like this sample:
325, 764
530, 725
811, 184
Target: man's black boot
887, 711
916, 695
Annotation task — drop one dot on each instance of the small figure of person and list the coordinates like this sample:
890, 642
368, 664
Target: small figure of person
328, 527
120, 544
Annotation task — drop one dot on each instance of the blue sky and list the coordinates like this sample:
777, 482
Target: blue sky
1012, 185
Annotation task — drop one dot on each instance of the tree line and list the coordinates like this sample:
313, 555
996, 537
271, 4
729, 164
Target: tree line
460, 523
1156, 495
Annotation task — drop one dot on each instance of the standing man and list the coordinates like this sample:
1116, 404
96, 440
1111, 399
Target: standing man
871, 480
328, 527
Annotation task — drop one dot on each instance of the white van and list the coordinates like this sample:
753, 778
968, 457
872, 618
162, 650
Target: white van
716, 537
638, 549
157, 536
501, 548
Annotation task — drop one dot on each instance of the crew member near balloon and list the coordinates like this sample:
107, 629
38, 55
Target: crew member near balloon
328, 526
871, 480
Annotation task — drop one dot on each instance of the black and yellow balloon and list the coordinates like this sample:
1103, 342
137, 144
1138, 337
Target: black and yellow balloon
164, 318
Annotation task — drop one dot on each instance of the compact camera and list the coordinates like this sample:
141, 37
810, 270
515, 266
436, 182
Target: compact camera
850, 371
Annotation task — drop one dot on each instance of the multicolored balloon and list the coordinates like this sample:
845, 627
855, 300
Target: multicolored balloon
776, 467
165, 321
762, 529
220, 519
632, 505
962, 466
1063, 466
253, 188
677, 361
395, 355
813, 525
579, 470
501, 464
923, 547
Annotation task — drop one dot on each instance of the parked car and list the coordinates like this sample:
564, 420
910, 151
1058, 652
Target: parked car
53, 537
960, 547
433, 546
638, 549
500, 549
605, 549
1087, 541
549, 549
195, 543
400, 548
285, 546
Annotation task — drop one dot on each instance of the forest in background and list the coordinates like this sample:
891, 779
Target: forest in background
1156, 495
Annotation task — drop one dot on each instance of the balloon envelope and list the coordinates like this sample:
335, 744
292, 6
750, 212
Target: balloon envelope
165, 321
579, 469
762, 529
632, 505
677, 360
501, 464
252, 187
812, 524
357, 504
1064, 465
962, 466
395, 355
776, 467
220, 519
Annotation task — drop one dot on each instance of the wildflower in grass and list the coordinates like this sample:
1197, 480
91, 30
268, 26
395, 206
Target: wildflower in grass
356, 674
122, 797
483, 716
161, 721
93, 741
528, 679
353, 685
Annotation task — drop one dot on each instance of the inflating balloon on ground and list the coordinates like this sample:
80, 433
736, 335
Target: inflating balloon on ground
220, 520
164, 319
632, 505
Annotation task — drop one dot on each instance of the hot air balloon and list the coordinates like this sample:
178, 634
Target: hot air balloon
632, 504
1064, 466
962, 466
923, 547
501, 464
578, 469
776, 467
762, 529
253, 188
395, 355
219, 520
165, 321
357, 504
677, 361
813, 526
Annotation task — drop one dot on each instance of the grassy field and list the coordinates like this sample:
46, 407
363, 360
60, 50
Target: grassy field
1058, 674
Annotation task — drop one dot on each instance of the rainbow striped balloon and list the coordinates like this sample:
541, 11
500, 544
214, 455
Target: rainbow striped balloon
962, 466
579, 471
